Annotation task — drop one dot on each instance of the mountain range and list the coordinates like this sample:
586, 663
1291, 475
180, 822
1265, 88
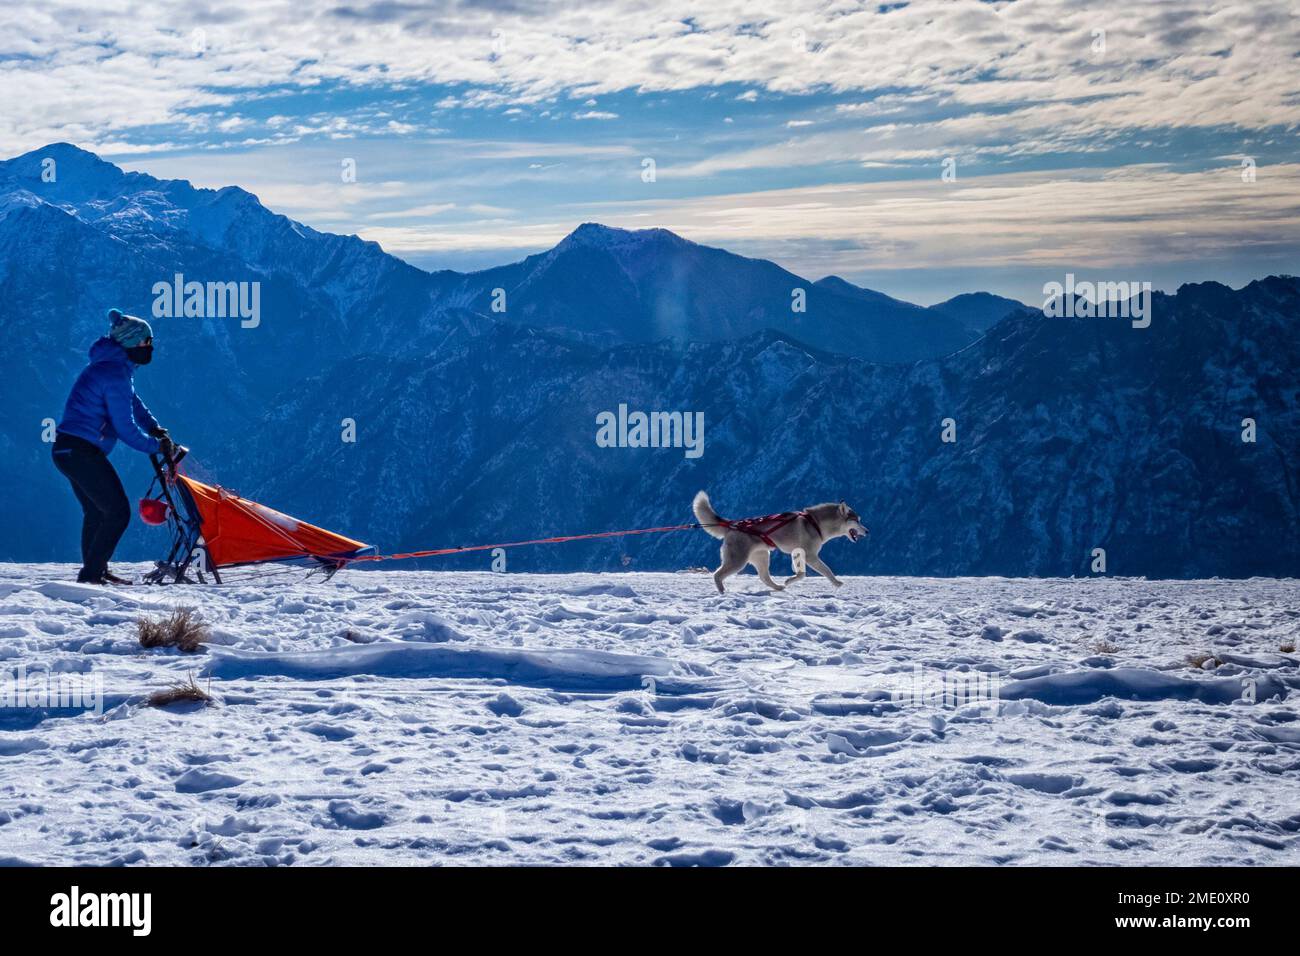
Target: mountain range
615, 286
474, 424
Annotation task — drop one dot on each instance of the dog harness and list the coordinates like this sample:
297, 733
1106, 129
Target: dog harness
768, 525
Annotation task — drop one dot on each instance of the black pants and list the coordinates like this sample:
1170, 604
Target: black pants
103, 500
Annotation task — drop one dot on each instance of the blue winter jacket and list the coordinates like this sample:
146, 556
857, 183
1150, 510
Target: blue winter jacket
103, 406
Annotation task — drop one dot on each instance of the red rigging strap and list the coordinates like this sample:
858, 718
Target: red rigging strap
759, 527
514, 544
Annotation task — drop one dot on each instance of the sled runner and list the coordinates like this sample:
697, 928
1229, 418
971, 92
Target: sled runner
214, 529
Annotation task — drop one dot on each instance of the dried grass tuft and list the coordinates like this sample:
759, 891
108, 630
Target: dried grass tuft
183, 628
184, 691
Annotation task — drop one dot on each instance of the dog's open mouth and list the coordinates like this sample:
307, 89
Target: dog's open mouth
854, 534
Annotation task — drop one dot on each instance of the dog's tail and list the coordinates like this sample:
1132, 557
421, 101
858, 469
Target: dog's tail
706, 516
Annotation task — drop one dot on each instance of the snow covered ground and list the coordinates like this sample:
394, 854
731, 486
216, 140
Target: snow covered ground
416, 718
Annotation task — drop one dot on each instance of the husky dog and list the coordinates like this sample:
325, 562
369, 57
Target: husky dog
751, 541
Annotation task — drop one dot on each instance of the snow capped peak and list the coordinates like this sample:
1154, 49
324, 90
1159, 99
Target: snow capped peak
69, 163
95, 189
15, 200
233, 194
73, 179
62, 151
601, 236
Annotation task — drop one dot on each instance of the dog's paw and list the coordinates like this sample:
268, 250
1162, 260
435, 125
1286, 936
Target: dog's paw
837, 582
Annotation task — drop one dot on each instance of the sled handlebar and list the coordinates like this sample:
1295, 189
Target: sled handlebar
161, 459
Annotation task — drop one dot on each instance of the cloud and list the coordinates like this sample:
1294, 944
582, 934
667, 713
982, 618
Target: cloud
1106, 218
409, 240
329, 200
271, 96
415, 212
1163, 65
1115, 219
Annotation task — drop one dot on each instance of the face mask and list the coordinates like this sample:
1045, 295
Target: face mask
141, 354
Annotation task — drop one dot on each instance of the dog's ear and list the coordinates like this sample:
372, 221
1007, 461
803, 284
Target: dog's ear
844, 509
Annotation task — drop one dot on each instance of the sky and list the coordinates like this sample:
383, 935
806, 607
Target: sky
922, 149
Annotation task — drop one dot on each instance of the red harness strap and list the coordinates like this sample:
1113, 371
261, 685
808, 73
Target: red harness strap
765, 526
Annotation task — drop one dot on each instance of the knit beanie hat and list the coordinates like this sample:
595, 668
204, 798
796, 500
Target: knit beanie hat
127, 330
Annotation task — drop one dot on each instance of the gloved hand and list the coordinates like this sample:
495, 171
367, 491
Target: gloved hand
171, 451
158, 432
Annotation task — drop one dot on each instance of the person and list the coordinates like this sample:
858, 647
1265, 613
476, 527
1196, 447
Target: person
101, 408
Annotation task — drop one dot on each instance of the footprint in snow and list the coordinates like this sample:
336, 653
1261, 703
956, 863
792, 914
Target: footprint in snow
21, 745
328, 731
1043, 782
345, 815
201, 781
503, 705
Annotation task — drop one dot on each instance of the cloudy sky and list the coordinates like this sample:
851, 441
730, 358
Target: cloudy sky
1105, 138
